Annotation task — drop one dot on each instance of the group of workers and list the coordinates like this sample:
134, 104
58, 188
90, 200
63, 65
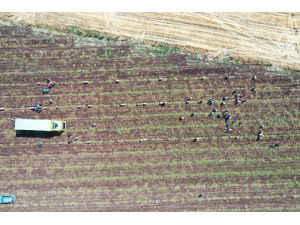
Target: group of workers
38, 107
50, 85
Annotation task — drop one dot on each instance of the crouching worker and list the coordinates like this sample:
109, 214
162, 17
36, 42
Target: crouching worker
50, 83
37, 107
46, 91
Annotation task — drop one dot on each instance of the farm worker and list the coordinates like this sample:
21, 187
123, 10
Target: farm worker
227, 116
211, 101
260, 135
37, 107
70, 138
237, 95
237, 101
235, 92
228, 130
254, 77
226, 77
46, 91
225, 98
213, 111
274, 146
51, 84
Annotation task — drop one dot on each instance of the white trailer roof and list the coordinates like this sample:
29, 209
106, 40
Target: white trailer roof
31, 124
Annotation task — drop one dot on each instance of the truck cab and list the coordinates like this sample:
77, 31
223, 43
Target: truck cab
58, 125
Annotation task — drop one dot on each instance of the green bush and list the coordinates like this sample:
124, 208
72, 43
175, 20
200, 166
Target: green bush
164, 49
86, 33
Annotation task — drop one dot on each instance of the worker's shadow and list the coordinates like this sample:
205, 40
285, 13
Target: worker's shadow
37, 134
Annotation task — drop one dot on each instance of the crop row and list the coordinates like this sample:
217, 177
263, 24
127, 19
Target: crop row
143, 157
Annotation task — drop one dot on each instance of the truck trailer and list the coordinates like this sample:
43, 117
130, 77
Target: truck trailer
40, 125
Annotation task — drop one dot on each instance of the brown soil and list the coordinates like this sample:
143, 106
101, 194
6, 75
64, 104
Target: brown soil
143, 158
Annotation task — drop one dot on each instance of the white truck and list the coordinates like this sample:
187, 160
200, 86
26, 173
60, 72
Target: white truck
39, 125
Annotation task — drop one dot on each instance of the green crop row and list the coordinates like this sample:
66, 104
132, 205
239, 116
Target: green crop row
161, 188
104, 70
159, 150
164, 49
154, 163
89, 33
266, 208
192, 156
157, 163
170, 139
167, 176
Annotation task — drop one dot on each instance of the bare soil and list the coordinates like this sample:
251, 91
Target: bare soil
143, 158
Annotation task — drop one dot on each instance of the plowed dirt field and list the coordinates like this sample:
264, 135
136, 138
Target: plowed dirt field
144, 155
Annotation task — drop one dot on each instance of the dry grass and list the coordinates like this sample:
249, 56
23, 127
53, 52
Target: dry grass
270, 38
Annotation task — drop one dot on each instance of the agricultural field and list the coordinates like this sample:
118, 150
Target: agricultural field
268, 38
153, 146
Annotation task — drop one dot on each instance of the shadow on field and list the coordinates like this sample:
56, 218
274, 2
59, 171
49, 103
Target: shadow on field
36, 134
